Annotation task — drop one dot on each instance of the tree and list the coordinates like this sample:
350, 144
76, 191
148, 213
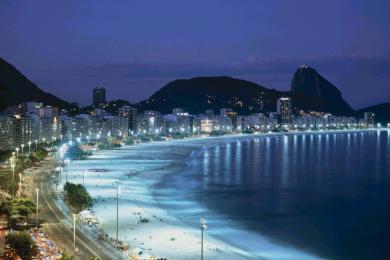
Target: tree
74, 152
22, 243
39, 154
17, 210
7, 182
66, 256
77, 197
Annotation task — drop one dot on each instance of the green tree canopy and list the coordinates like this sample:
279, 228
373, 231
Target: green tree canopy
66, 256
22, 243
77, 197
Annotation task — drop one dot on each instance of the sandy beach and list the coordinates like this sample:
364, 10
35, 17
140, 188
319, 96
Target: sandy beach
161, 226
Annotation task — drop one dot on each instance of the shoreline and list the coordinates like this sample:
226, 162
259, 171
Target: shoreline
142, 185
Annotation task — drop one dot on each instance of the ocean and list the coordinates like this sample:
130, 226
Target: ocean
294, 196
324, 193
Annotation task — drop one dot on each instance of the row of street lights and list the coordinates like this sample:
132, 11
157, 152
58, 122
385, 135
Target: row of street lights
29, 143
203, 225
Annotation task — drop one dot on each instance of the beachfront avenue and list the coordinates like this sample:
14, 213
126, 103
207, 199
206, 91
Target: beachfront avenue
51, 227
38, 165
59, 230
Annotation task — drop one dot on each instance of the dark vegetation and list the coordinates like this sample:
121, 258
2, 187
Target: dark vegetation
74, 152
77, 197
22, 243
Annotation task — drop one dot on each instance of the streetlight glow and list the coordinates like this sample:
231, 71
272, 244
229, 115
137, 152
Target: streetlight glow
37, 191
74, 232
203, 226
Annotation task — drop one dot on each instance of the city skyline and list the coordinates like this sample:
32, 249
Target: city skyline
134, 50
221, 130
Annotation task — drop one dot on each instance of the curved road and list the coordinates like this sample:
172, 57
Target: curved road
59, 226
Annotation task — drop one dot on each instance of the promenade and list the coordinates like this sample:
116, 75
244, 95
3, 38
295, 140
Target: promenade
59, 226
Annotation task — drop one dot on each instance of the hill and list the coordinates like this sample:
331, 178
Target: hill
382, 112
15, 88
313, 92
198, 94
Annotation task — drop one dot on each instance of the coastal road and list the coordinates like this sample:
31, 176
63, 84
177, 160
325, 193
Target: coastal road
59, 226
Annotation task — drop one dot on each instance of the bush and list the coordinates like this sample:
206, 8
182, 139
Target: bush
77, 197
22, 243
39, 154
6, 182
5, 155
17, 210
66, 256
109, 145
76, 153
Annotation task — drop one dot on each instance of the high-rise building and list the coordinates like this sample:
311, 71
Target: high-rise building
177, 111
115, 126
209, 112
369, 118
5, 132
284, 109
225, 111
50, 128
130, 113
22, 128
99, 97
150, 122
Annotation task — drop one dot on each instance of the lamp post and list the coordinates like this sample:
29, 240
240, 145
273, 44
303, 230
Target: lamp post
74, 232
66, 172
117, 213
17, 152
20, 181
22, 145
36, 144
29, 147
37, 191
13, 174
203, 226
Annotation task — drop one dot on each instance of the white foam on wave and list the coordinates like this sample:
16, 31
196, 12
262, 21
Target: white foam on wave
137, 169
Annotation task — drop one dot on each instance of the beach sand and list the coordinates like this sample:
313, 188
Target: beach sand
168, 232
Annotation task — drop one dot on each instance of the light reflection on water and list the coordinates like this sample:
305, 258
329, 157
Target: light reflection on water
327, 193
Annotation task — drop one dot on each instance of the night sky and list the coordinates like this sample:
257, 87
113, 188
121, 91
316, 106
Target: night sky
135, 47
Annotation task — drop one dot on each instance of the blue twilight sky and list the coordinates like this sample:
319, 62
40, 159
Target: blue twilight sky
135, 47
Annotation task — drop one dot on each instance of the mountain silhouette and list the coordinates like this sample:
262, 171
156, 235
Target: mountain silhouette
15, 88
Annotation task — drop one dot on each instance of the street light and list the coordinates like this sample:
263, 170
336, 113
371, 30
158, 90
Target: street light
36, 144
117, 213
37, 191
13, 174
22, 145
29, 147
17, 152
203, 226
74, 232
20, 181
